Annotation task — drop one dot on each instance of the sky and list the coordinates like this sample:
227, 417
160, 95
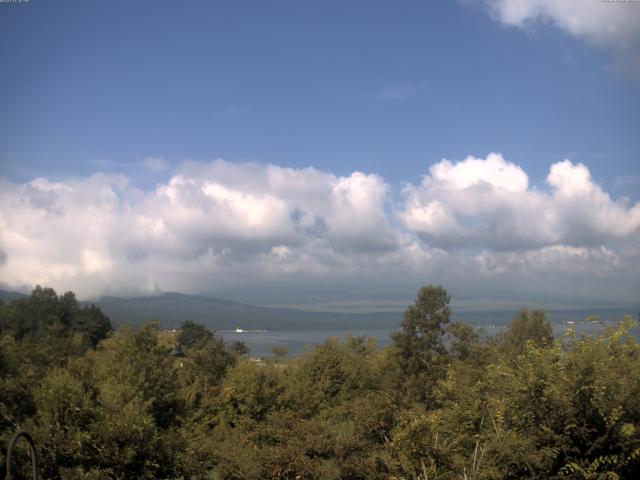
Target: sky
291, 152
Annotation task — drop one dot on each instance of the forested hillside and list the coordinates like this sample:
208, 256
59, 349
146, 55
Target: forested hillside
443, 401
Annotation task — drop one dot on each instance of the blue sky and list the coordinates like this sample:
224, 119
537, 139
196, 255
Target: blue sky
379, 87
385, 88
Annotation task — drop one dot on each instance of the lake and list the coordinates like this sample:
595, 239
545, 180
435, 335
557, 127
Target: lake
261, 343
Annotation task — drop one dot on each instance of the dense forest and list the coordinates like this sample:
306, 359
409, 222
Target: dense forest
442, 401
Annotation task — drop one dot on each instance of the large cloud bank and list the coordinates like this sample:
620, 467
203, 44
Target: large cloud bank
476, 225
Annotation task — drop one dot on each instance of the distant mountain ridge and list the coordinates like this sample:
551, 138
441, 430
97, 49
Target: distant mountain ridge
171, 309
7, 296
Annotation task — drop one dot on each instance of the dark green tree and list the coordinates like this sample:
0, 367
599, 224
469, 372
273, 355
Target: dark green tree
193, 335
92, 323
420, 351
239, 348
203, 368
527, 326
44, 314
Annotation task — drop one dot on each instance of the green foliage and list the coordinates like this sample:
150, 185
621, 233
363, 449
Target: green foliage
467, 344
420, 352
193, 335
65, 414
515, 406
204, 366
527, 326
250, 392
239, 348
45, 314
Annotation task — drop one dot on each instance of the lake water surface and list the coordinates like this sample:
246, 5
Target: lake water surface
261, 343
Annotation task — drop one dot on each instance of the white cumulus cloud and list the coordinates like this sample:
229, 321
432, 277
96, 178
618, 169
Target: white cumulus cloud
603, 22
477, 225
488, 203
210, 220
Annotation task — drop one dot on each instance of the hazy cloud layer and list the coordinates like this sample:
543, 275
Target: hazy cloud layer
476, 225
155, 164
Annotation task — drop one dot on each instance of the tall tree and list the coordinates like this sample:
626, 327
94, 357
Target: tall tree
44, 314
528, 326
193, 335
420, 352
